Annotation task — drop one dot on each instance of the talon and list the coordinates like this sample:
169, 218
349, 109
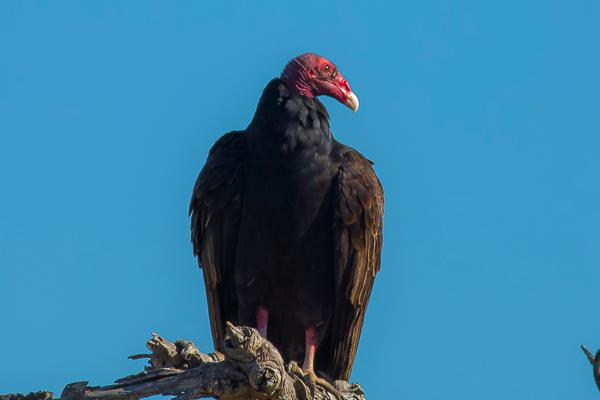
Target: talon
312, 381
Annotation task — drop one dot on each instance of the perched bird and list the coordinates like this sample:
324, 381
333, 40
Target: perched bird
287, 223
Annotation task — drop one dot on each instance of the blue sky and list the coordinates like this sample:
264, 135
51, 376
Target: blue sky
482, 119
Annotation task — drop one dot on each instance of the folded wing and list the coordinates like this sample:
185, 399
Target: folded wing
357, 229
215, 214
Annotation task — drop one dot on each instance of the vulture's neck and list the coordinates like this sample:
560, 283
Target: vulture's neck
288, 123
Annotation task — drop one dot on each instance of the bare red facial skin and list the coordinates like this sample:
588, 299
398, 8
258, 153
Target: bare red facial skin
312, 75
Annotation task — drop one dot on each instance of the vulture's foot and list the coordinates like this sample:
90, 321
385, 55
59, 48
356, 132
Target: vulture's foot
315, 384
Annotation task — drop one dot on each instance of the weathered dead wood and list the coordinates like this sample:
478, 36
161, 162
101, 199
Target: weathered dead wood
30, 396
595, 361
251, 368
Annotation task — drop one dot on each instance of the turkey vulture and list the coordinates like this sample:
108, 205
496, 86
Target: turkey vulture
287, 223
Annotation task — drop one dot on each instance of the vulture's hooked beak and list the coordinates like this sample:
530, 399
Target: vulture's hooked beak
352, 102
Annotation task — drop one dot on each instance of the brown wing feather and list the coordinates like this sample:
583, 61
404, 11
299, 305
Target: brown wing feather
214, 209
357, 229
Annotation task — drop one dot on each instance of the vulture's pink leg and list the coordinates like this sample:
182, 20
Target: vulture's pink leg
311, 346
262, 319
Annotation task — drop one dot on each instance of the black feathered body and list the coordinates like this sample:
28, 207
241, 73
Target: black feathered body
273, 225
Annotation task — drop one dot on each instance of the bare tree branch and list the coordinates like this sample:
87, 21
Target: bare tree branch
251, 368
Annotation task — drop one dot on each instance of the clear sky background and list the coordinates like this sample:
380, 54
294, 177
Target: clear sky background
483, 119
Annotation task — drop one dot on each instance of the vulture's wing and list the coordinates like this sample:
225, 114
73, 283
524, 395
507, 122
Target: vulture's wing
215, 213
357, 229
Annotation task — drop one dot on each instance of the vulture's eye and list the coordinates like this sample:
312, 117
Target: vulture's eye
326, 68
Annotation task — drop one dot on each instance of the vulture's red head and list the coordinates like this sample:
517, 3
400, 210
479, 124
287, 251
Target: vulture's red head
312, 75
